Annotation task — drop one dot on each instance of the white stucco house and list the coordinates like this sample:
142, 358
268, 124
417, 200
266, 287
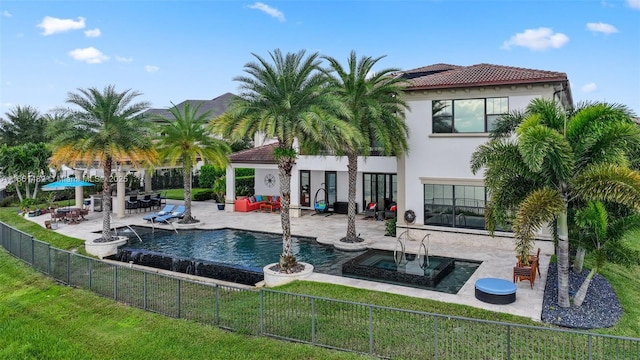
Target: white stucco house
451, 111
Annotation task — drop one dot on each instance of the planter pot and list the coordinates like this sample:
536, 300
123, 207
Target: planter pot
220, 206
54, 226
275, 278
103, 249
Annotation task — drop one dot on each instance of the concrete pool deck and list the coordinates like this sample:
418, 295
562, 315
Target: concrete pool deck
497, 254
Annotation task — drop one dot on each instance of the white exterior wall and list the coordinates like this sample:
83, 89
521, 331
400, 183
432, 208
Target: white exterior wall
447, 157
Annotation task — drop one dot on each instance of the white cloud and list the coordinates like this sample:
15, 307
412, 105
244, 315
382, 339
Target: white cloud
89, 55
123, 59
6, 14
53, 25
273, 12
589, 88
151, 68
537, 39
634, 4
92, 33
602, 27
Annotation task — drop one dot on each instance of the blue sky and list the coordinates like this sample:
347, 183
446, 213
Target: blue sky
171, 51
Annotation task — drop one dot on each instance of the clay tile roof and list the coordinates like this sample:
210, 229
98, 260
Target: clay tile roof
440, 76
258, 155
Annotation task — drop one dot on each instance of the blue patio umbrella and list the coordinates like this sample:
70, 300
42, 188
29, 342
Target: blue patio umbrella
66, 183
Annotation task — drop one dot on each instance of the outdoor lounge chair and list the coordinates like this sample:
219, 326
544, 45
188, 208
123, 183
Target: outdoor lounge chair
178, 213
371, 211
166, 210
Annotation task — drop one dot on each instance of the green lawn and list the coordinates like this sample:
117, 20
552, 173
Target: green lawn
178, 194
41, 320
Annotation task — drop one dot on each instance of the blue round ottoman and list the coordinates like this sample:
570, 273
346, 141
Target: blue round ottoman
495, 291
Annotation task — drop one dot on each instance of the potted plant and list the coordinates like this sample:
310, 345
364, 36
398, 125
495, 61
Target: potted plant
219, 189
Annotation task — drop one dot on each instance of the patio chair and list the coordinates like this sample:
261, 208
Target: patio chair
521, 273
371, 211
166, 210
156, 201
131, 204
178, 213
391, 211
145, 203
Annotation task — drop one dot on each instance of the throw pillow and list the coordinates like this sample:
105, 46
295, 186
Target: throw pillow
275, 198
393, 207
252, 199
372, 206
258, 197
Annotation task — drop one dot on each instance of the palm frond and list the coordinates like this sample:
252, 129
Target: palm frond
609, 183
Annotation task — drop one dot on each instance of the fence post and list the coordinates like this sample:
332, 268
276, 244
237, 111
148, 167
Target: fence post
508, 342
435, 338
68, 268
115, 283
217, 305
370, 330
144, 290
90, 274
33, 251
179, 298
261, 312
313, 320
590, 347
48, 259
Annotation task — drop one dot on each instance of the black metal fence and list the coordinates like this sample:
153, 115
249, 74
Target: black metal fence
368, 329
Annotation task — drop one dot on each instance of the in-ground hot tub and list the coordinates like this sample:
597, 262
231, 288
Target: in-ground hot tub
412, 269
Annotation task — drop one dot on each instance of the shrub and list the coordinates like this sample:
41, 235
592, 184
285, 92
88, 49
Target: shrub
208, 175
203, 195
390, 227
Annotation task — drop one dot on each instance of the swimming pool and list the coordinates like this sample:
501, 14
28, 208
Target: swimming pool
239, 255
242, 250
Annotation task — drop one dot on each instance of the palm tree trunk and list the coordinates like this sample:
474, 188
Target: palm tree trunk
351, 212
35, 189
579, 262
18, 191
106, 199
186, 178
287, 260
563, 260
582, 292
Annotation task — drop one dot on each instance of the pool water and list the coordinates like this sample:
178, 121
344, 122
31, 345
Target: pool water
239, 256
248, 249
438, 273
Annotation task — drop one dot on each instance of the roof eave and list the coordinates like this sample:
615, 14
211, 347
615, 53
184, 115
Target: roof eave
489, 83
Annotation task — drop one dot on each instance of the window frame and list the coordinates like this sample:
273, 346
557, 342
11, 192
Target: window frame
451, 116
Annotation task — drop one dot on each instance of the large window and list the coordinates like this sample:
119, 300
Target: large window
459, 206
468, 115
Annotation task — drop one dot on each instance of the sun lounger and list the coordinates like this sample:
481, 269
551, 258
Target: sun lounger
166, 210
178, 213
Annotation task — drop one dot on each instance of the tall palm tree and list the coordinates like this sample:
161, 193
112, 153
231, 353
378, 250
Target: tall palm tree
24, 124
185, 138
106, 127
376, 110
288, 100
553, 159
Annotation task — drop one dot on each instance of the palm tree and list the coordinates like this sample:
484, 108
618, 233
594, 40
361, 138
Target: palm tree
290, 101
553, 159
185, 138
601, 234
24, 124
376, 110
106, 127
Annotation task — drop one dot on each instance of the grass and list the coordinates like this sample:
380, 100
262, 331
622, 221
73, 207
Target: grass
178, 194
41, 320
